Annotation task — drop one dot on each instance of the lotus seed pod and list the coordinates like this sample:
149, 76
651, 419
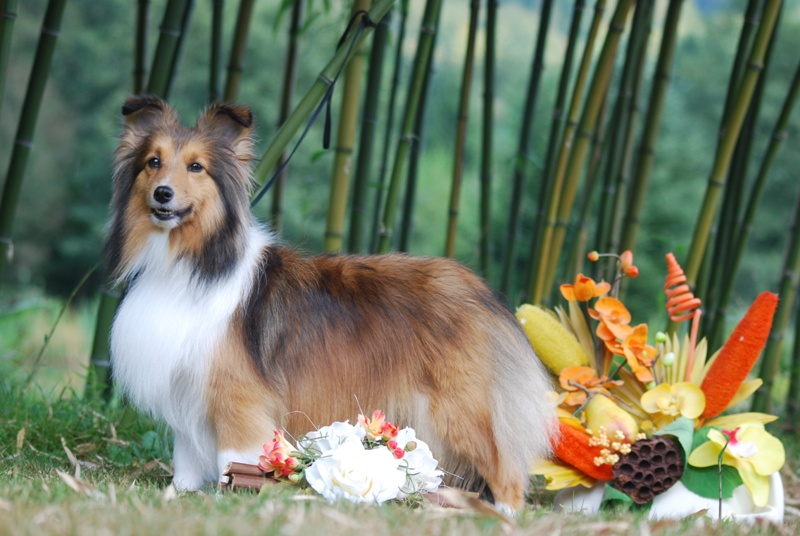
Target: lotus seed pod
652, 467
552, 342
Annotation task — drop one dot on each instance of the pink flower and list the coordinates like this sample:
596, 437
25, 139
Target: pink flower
378, 428
278, 457
388, 431
373, 426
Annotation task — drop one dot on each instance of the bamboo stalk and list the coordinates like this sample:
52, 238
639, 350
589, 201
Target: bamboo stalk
27, 125
524, 145
652, 124
287, 94
543, 234
167, 48
343, 158
214, 76
99, 381
484, 239
388, 130
558, 118
719, 239
461, 130
793, 396
577, 236
238, 51
173, 68
780, 132
625, 118
430, 22
729, 134
315, 93
407, 220
584, 132
749, 25
719, 284
140, 47
369, 123
8, 15
770, 361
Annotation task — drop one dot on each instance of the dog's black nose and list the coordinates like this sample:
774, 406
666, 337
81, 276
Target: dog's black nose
163, 194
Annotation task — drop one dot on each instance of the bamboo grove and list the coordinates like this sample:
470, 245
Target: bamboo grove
585, 189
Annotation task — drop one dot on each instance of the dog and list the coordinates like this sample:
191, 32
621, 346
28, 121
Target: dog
226, 335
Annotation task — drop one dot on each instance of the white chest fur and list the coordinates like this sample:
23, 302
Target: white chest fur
167, 329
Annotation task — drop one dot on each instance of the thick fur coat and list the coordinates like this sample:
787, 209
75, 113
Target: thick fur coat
226, 335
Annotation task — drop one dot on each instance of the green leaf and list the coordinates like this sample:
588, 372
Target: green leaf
681, 429
704, 481
613, 495
618, 501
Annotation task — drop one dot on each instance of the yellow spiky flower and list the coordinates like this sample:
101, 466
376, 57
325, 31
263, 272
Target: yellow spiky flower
552, 342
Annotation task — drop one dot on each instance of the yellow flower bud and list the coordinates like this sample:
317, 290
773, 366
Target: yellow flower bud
552, 342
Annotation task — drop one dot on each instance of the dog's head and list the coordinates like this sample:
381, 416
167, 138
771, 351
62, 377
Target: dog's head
192, 183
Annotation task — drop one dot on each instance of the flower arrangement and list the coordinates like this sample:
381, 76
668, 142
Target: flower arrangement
372, 462
641, 413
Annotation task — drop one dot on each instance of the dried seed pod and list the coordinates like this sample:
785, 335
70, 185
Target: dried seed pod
652, 467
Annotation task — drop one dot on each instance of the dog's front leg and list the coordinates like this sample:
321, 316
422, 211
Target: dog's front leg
191, 463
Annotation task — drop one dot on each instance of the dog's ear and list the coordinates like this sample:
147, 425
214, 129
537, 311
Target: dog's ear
143, 113
231, 125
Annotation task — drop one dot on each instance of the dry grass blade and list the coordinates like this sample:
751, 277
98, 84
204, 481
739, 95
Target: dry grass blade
75, 484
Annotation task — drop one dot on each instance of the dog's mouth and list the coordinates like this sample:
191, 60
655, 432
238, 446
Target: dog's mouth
166, 215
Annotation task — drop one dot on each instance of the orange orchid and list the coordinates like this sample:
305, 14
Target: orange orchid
584, 289
614, 319
639, 354
577, 380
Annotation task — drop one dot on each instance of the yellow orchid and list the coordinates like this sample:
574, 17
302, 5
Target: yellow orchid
753, 451
559, 475
668, 402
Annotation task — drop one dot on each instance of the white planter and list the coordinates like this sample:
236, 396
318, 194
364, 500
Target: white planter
678, 502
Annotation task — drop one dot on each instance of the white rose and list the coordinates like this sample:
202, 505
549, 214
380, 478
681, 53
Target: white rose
419, 466
358, 475
328, 438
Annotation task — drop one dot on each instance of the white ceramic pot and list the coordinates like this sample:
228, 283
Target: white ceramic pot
678, 502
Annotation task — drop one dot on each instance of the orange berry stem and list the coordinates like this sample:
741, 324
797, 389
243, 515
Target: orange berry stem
572, 447
739, 354
692, 343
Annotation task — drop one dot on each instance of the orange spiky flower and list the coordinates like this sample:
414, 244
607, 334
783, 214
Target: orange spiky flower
682, 304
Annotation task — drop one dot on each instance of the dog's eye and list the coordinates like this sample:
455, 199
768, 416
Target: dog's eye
154, 163
194, 167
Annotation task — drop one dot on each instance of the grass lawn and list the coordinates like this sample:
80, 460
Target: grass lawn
69, 467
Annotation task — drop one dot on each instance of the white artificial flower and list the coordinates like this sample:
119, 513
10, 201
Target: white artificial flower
350, 472
328, 438
418, 465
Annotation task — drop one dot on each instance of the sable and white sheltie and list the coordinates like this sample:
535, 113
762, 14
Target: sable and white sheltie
226, 335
